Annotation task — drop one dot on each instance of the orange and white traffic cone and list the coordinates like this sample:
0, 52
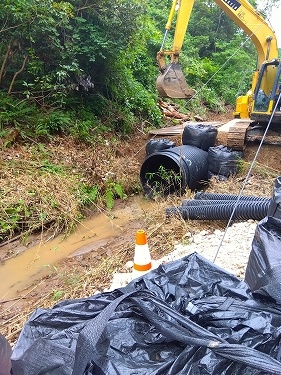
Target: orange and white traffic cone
142, 259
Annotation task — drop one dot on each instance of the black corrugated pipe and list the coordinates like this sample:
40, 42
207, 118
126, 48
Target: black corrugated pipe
217, 196
255, 210
174, 169
203, 202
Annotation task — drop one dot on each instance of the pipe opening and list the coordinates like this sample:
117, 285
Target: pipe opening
164, 175
174, 170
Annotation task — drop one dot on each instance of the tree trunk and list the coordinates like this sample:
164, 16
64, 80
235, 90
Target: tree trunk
16, 74
4, 62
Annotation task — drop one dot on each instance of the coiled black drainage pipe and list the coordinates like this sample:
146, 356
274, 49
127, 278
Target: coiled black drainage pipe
217, 196
203, 202
174, 169
243, 211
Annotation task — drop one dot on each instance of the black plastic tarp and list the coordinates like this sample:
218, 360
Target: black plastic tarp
274, 209
186, 317
263, 269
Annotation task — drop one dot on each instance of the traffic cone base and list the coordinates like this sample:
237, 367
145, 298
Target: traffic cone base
145, 267
142, 259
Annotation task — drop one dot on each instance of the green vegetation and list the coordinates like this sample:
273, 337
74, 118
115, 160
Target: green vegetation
75, 69
164, 181
55, 187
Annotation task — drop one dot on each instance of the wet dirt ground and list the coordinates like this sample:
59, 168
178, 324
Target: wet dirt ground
91, 236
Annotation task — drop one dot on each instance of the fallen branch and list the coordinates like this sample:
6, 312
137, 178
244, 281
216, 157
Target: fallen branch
170, 111
12, 299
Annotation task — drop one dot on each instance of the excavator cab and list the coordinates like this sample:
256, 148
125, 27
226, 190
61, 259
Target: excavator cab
266, 98
171, 83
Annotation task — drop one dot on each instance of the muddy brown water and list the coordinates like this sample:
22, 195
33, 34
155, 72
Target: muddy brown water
22, 270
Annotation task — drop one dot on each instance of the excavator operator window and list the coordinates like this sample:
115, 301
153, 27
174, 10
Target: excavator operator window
261, 102
268, 87
277, 97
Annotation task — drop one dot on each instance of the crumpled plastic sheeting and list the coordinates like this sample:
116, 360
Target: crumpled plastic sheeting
263, 269
199, 135
274, 209
222, 161
185, 317
155, 145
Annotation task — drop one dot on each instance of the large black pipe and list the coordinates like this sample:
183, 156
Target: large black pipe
217, 196
243, 211
174, 169
207, 202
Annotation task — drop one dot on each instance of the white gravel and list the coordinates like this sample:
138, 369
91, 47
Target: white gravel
231, 254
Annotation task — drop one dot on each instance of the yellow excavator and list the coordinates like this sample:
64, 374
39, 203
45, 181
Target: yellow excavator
262, 102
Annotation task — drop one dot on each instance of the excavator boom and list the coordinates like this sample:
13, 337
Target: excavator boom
171, 81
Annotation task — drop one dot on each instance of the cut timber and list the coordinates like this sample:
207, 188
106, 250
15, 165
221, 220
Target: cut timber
178, 129
232, 134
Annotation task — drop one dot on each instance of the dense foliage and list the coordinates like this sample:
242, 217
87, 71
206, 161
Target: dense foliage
79, 62
75, 66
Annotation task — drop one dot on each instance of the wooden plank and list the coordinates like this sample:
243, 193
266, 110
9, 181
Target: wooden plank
178, 129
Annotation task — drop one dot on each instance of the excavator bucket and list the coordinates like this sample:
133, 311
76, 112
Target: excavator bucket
171, 83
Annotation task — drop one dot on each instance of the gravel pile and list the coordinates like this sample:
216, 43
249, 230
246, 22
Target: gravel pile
228, 249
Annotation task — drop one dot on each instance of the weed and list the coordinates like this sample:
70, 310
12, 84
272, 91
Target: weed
13, 218
15, 112
52, 168
164, 181
241, 165
40, 148
35, 198
53, 122
71, 279
88, 194
113, 189
58, 294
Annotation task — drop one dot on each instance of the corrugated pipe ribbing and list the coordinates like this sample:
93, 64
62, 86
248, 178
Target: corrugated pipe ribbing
255, 210
217, 196
201, 202
174, 169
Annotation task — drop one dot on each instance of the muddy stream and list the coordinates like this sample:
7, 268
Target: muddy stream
18, 273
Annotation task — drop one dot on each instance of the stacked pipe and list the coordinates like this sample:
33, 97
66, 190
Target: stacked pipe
212, 206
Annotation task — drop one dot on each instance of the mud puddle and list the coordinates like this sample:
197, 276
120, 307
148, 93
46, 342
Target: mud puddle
22, 270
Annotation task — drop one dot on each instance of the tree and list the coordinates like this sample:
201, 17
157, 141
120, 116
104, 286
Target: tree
60, 54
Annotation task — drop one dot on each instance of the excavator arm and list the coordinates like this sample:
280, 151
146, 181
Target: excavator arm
171, 82
254, 25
